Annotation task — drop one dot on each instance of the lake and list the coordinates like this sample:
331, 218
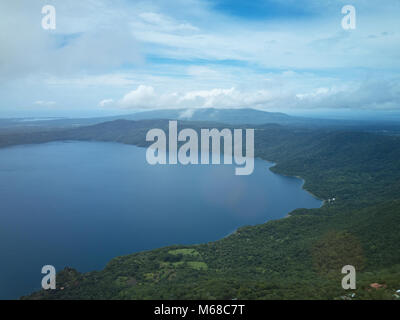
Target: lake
80, 204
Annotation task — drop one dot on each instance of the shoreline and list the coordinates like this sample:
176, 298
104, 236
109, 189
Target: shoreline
270, 165
302, 186
288, 215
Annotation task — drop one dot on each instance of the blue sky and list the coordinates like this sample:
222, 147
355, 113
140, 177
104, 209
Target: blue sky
114, 57
261, 10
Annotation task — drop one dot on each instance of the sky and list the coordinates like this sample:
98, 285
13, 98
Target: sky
113, 57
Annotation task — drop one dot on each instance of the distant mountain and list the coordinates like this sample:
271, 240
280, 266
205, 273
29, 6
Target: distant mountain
259, 117
230, 116
223, 116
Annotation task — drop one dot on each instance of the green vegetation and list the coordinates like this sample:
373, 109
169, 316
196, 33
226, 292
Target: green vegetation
299, 257
187, 252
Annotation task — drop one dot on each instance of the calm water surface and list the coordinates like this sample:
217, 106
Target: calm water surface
80, 204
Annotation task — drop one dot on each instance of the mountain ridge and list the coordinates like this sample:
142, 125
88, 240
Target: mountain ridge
242, 116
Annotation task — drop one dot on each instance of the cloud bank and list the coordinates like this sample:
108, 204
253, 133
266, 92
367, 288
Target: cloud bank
122, 55
371, 94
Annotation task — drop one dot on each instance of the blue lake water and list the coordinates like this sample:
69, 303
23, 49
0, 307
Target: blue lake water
80, 204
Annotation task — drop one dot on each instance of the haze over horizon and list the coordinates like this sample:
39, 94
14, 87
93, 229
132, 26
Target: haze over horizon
115, 57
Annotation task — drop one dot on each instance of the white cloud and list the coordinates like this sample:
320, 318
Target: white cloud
383, 94
146, 97
187, 114
164, 23
202, 72
142, 97
105, 102
89, 36
108, 80
45, 103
